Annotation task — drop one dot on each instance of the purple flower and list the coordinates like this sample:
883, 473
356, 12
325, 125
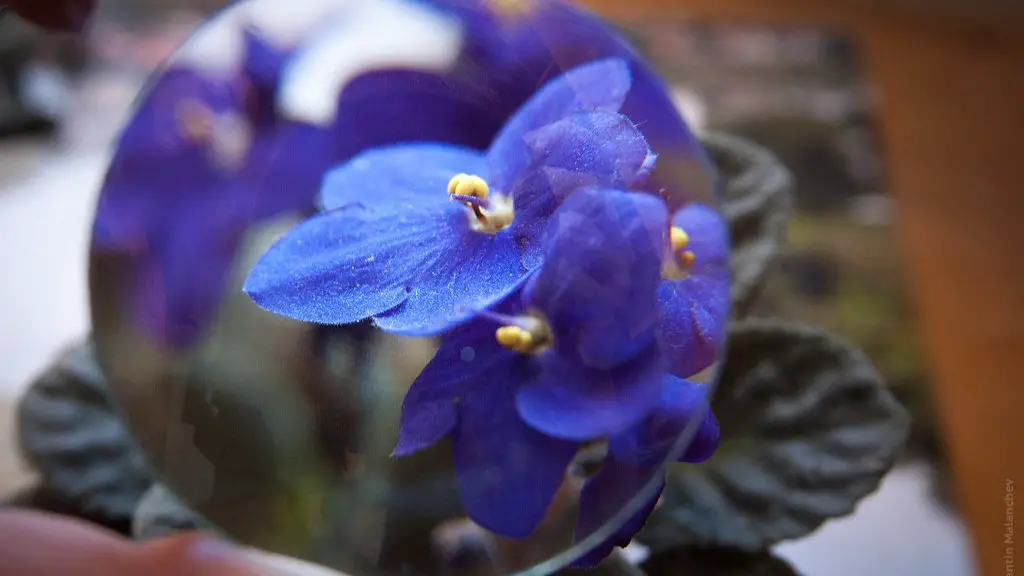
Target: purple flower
191, 173
420, 235
572, 358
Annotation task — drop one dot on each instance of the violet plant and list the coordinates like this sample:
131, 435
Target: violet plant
568, 299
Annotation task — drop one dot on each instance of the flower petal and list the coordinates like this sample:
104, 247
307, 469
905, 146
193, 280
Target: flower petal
264, 61
392, 174
179, 281
462, 366
344, 266
471, 272
705, 442
651, 442
507, 473
600, 149
414, 246
694, 314
263, 65
607, 493
600, 85
598, 285
573, 402
684, 171
284, 170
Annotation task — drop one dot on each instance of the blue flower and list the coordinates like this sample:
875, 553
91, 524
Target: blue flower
575, 358
540, 357
695, 292
420, 235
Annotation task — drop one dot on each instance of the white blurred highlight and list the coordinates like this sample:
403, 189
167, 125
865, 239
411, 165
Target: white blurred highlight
370, 35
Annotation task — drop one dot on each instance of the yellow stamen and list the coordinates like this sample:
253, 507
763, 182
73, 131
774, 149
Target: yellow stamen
529, 336
488, 217
680, 239
681, 260
687, 259
515, 338
468, 185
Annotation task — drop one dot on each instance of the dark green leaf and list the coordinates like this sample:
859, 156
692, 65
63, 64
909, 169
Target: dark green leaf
160, 513
757, 201
69, 431
808, 429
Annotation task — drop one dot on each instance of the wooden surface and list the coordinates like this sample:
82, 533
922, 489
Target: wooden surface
953, 119
951, 97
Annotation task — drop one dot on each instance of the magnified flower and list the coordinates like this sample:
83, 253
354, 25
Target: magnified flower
420, 235
547, 353
61, 15
574, 359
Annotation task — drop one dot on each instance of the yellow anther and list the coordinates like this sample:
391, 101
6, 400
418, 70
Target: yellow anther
680, 239
686, 259
453, 184
468, 185
514, 338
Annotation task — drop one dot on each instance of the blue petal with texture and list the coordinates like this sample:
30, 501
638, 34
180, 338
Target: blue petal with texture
506, 472
395, 244
570, 401
461, 367
397, 174
599, 282
601, 85
598, 149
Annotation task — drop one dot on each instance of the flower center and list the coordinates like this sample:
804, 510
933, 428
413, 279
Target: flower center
528, 334
488, 213
682, 260
195, 121
226, 136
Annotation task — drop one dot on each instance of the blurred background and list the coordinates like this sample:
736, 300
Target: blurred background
796, 91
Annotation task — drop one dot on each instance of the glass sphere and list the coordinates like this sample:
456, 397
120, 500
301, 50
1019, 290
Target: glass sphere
400, 285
